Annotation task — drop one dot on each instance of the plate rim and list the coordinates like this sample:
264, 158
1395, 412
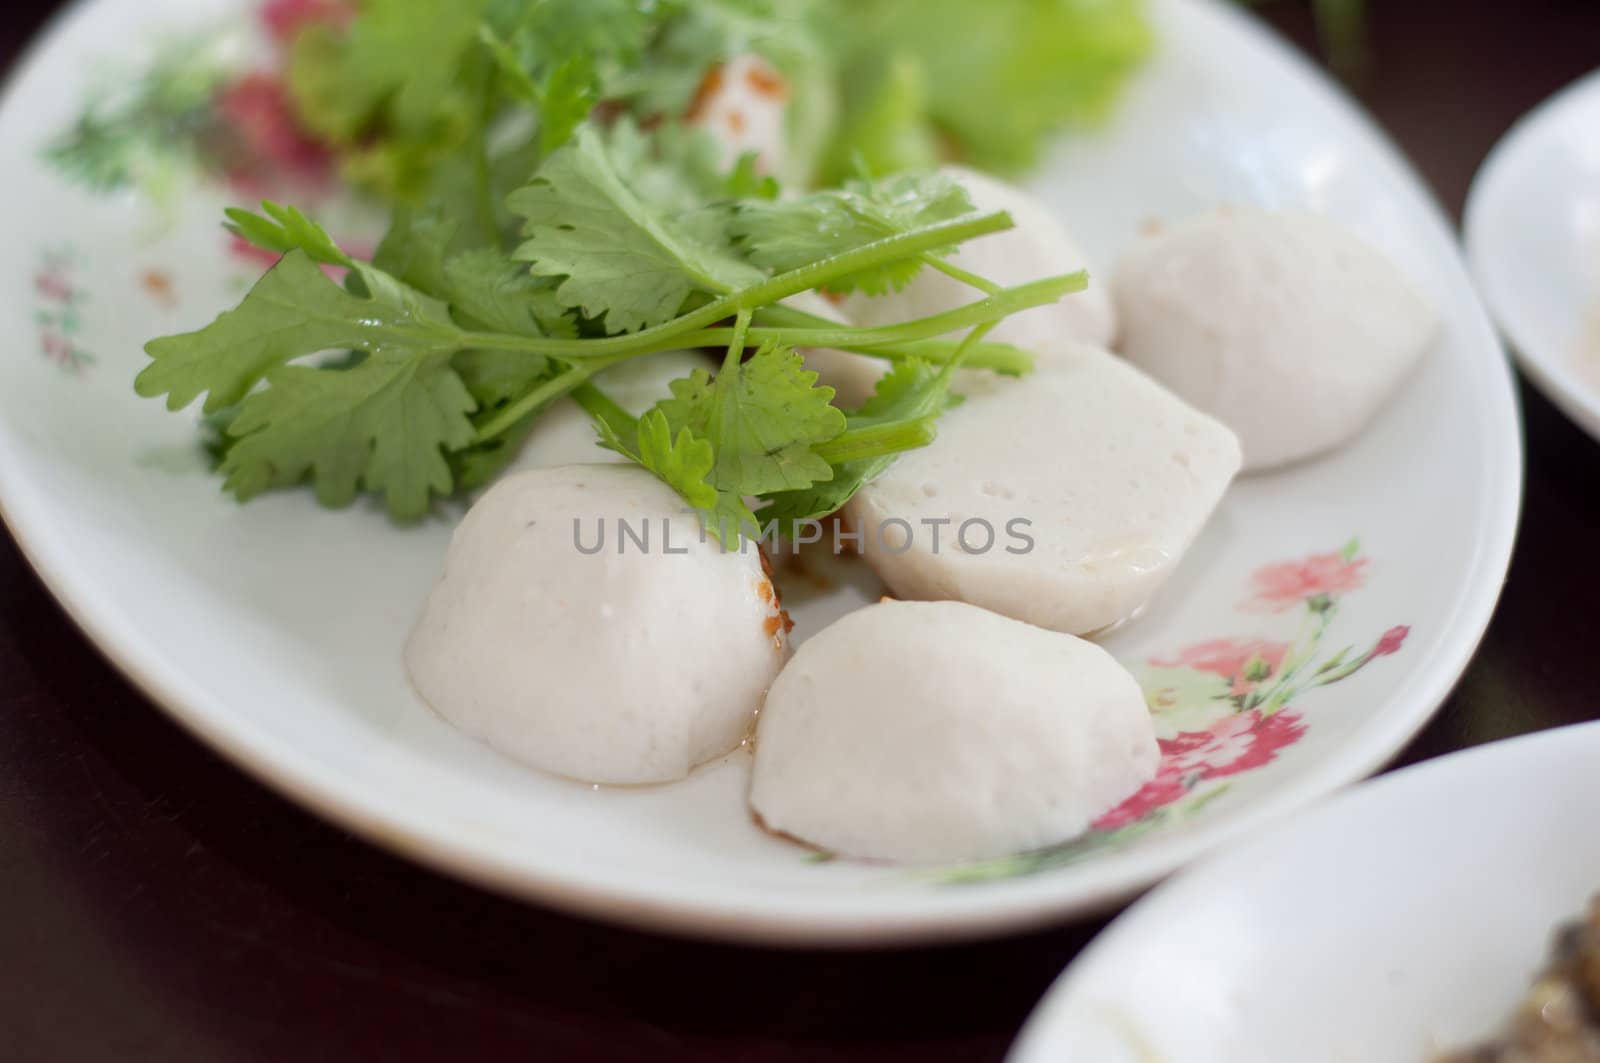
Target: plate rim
1006, 907
1152, 910
1550, 373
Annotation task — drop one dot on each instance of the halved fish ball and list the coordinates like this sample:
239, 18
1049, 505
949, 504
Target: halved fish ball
558, 639
1065, 498
936, 731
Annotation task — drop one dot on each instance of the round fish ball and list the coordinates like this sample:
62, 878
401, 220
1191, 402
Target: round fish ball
623, 665
937, 731
1286, 326
1037, 247
1064, 499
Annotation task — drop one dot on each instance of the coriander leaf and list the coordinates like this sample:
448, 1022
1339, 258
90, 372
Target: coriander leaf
497, 377
484, 287
284, 229
562, 56
479, 465
515, 79
884, 129
677, 167
455, 190
566, 96
487, 288
562, 98
909, 392
911, 389
293, 310
683, 463
699, 36
397, 93
214, 437
399, 56
325, 102
547, 32
726, 512
743, 182
416, 245
999, 84
629, 259
383, 425
761, 417
787, 234
406, 168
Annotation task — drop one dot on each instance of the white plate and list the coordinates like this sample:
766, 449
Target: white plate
273, 631
1533, 240
1404, 918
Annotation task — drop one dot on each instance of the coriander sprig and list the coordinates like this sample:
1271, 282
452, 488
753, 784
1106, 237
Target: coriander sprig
628, 247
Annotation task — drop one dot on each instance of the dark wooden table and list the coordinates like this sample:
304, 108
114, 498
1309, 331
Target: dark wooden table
157, 904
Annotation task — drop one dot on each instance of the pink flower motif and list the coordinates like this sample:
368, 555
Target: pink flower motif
1235, 744
1391, 641
56, 346
1159, 792
1230, 659
1285, 586
1238, 743
256, 110
285, 18
52, 285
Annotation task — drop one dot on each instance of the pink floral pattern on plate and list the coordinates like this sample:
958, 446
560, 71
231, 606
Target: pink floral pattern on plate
195, 111
59, 311
1223, 707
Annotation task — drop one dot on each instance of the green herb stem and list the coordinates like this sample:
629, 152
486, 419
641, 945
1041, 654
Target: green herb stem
603, 407
551, 389
954, 272
736, 343
959, 359
982, 312
876, 441
483, 194
999, 357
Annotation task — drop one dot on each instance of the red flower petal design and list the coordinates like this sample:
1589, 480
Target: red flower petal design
1285, 586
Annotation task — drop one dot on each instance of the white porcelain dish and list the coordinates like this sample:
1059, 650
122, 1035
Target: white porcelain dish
1403, 919
1533, 241
273, 631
